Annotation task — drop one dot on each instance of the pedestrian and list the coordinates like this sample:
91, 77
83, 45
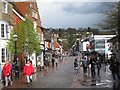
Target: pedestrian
46, 64
28, 71
98, 62
89, 66
114, 67
85, 66
75, 63
16, 72
92, 62
56, 62
7, 68
53, 60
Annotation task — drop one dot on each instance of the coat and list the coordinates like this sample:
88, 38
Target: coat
114, 67
28, 69
7, 68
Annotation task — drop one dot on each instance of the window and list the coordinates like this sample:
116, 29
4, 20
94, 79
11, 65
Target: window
4, 7
34, 14
7, 32
2, 30
3, 55
6, 53
35, 25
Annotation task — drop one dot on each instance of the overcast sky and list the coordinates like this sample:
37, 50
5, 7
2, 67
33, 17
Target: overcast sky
64, 14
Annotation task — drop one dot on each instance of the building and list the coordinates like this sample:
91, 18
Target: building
99, 44
6, 26
83, 45
30, 10
114, 45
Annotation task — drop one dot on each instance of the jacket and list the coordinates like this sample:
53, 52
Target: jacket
7, 68
28, 69
114, 66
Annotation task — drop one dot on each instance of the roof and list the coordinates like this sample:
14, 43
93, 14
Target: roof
47, 36
114, 39
22, 7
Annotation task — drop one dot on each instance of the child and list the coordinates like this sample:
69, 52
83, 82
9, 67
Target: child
7, 68
28, 71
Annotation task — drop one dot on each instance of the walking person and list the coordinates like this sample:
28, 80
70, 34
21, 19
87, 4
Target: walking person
7, 68
89, 66
56, 62
85, 66
16, 72
53, 60
98, 62
92, 62
114, 67
28, 71
76, 63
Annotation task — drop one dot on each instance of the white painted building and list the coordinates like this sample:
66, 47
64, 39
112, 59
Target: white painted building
83, 44
100, 44
5, 28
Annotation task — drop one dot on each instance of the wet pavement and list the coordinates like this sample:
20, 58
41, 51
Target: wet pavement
60, 77
103, 81
65, 77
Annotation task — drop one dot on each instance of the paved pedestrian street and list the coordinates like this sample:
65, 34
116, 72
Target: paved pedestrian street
65, 77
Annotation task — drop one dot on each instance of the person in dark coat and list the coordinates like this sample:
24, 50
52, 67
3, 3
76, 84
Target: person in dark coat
75, 63
16, 72
114, 67
92, 62
53, 60
98, 62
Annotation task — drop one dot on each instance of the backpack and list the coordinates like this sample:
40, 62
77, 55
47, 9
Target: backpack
85, 64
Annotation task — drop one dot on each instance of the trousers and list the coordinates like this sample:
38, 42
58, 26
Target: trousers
29, 78
7, 80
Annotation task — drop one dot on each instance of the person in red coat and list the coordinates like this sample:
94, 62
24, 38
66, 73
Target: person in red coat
7, 71
28, 71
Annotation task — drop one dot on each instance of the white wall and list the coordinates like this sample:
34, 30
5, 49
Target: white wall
33, 59
4, 40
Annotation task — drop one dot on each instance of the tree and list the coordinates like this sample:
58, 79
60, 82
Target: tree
28, 40
112, 21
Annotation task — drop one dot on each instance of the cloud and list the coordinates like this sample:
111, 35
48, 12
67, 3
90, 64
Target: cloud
86, 7
64, 15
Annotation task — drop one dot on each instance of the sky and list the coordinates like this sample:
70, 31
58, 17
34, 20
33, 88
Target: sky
72, 13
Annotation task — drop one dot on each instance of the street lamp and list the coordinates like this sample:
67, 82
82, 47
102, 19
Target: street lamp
43, 52
15, 38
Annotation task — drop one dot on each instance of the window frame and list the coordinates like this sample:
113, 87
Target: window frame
4, 7
3, 30
3, 54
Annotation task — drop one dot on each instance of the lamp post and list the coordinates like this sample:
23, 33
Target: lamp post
43, 52
15, 38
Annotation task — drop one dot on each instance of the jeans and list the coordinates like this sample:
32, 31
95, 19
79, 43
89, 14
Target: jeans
116, 74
